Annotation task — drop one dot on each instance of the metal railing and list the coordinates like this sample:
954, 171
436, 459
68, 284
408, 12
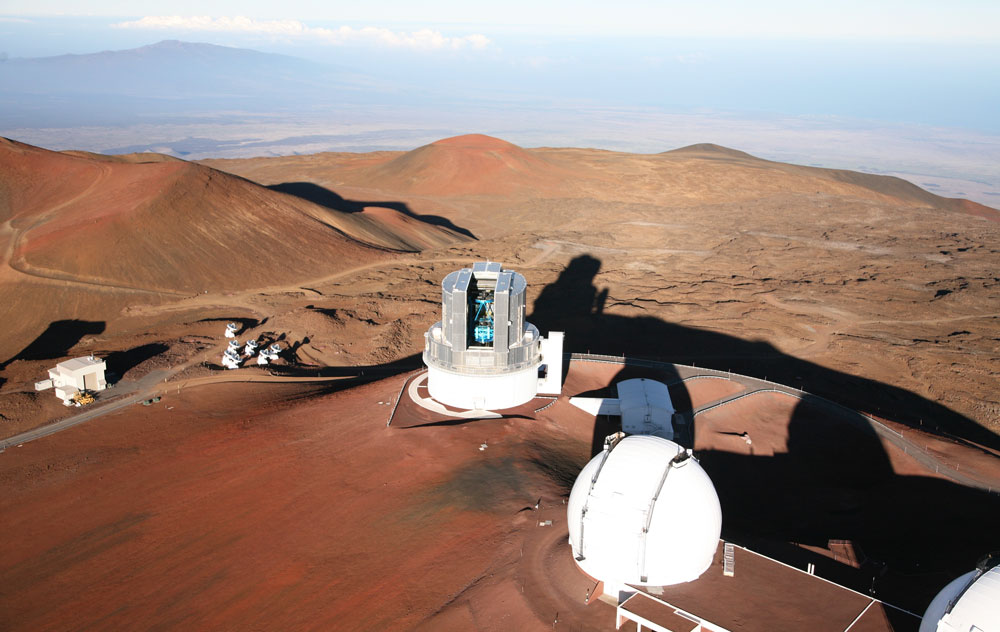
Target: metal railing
917, 452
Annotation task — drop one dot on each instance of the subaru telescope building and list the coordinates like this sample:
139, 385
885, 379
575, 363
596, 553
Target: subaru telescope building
483, 354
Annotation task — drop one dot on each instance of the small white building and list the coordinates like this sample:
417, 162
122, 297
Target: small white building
72, 376
643, 404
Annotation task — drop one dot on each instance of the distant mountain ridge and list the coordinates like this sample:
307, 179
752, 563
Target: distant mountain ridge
170, 68
161, 48
884, 185
160, 81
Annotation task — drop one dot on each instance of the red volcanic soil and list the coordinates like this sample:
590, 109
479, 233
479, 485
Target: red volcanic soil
174, 225
719, 428
386, 225
250, 508
707, 390
469, 165
290, 507
974, 208
886, 187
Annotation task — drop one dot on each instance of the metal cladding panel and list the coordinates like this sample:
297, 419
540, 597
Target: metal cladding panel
448, 285
517, 296
492, 267
504, 280
463, 280
458, 312
501, 311
646, 407
516, 345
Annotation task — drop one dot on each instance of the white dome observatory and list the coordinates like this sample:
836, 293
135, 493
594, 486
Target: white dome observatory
643, 512
970, 603
482, 354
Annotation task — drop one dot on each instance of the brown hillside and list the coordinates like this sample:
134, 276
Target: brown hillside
177, 226
492, 187
866, 274
882, 186
134, 157
473, 164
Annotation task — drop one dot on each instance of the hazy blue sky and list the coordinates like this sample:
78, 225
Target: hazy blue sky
956, 20
916, 61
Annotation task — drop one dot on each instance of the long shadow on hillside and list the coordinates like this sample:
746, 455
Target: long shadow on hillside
325, 197
832, 481
121, 362
574, 304
57, 339
245, 323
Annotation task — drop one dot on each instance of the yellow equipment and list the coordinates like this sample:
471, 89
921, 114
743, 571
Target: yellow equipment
83, 398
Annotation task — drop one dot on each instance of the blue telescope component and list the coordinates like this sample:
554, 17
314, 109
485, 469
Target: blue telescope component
483, 331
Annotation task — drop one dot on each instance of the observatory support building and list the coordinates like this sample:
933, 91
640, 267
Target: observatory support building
483, 354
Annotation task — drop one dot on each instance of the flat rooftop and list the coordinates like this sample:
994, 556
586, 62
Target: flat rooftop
76, 364
763, 595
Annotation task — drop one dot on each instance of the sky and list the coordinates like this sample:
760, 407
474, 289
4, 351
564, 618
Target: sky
915, 61
898, 63
959, 21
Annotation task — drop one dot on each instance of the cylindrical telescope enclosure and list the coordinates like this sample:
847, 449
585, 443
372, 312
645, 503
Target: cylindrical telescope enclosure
482, 333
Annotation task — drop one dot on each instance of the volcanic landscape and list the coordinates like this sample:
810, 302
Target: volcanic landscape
313, 494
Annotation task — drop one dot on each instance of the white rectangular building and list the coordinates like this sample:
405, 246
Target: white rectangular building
72, 376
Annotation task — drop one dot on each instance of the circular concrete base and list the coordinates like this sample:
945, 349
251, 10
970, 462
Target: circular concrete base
483, 392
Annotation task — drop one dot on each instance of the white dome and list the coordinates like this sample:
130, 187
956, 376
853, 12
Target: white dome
977, 607
645, 513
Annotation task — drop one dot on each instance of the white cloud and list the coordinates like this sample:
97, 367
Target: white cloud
423, 39
691, 58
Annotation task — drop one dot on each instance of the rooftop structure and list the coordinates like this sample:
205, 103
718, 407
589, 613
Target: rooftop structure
760, 595
643, 404
643, 512
483, 354
74, 376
